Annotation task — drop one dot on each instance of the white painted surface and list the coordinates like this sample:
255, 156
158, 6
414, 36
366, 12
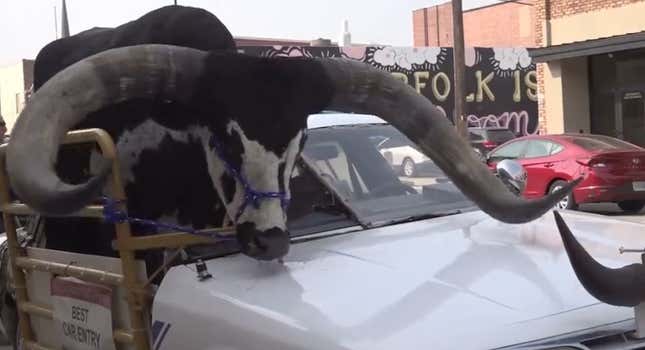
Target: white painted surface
458, 282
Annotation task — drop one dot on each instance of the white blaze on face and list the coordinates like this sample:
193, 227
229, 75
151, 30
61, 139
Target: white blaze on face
260, 167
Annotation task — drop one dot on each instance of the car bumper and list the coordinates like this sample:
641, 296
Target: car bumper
615, 190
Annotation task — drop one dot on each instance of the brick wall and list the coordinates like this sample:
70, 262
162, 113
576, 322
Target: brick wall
503, 24
562, 8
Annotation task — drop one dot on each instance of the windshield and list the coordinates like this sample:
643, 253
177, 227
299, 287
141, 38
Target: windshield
371, 175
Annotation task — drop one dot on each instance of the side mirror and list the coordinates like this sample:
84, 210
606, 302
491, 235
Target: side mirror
480, 155
512, 174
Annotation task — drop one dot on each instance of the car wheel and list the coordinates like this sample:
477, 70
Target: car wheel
567, 202
632, 206
408, 168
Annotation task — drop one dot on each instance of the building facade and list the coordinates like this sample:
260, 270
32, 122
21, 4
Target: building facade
503, 24
591, 67
15, 80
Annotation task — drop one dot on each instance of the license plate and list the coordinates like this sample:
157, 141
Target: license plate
638, 185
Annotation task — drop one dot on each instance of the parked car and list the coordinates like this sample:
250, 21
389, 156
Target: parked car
484, 140
404, 157
613, 170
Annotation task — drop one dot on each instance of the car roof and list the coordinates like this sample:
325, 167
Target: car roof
488, 128
330, 119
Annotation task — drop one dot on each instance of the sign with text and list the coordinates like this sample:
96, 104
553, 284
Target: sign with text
501, 82
82, 313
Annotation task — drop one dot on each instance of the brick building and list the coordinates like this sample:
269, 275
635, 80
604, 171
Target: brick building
591, 67
502, 24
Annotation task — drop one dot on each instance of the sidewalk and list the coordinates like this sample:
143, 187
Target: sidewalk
611, 209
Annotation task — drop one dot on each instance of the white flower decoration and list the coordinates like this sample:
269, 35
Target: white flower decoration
511, 58
385, 56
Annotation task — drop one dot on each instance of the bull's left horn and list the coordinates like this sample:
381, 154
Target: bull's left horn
624, 286
109, 77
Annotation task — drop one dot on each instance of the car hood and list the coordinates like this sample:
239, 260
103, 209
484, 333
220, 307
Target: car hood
464, 281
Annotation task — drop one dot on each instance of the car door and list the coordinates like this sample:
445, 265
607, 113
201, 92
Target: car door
540, 165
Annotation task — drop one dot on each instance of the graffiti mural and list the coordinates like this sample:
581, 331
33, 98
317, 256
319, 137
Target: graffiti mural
501, 83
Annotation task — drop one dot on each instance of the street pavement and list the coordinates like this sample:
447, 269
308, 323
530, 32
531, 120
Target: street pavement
611, 209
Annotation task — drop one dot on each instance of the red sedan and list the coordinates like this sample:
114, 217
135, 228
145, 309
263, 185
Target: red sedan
613, 170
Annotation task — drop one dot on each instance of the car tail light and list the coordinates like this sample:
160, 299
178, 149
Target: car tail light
489, 144
592, 163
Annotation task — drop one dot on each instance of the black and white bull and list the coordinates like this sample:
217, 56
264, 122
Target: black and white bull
165, 104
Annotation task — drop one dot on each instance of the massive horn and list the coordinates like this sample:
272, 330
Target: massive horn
110, 77
170, 72
624, 286
361, 88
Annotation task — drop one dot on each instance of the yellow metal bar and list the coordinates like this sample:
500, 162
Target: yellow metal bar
171, 240
91, 211
136, 295
19, 278
32, 345
84, 273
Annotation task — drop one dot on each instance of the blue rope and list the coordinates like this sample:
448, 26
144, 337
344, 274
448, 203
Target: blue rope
113, 215
251, 196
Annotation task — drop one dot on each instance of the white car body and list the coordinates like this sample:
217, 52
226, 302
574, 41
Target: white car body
462, 281
396, 155
459, 282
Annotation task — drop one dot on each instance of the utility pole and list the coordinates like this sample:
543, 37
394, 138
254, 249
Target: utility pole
459, 65
55, 22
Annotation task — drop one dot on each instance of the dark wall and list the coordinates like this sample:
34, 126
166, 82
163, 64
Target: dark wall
501, 83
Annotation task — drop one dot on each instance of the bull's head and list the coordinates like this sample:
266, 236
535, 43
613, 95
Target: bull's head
258, 109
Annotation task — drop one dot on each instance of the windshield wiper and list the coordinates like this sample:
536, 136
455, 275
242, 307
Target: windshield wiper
419, 217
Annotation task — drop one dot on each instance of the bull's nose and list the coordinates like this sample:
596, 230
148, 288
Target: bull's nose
263, 245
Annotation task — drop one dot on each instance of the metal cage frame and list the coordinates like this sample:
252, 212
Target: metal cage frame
138, 296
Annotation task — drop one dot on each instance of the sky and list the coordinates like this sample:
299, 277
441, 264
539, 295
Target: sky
28, 25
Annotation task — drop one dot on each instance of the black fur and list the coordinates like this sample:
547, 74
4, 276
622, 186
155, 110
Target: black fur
269, 98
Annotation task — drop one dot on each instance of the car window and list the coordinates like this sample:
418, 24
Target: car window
538, 148
601, 143
475, 135
510, 151
500, 136
556, 148
332, 162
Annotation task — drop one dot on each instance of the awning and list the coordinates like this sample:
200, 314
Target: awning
588, 47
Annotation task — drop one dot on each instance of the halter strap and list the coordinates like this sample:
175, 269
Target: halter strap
251, 196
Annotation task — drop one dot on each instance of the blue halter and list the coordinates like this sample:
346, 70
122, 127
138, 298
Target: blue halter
251, 196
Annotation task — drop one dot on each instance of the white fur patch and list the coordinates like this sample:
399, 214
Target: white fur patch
259, 167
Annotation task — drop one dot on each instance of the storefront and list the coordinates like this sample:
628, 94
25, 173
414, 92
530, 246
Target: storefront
591, 67
602, 84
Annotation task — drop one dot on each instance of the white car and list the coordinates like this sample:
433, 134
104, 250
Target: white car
376, 264
403, 155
